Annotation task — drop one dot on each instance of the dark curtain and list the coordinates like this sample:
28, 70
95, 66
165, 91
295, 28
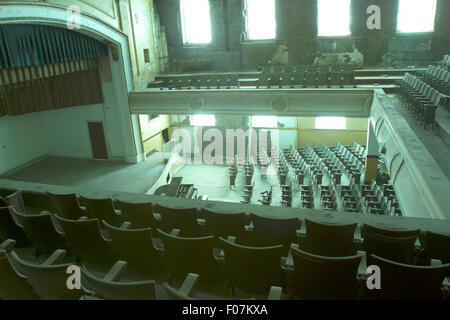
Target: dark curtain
24, 45
62, 91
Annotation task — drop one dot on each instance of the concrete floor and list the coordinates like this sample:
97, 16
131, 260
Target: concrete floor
94, 174
213, 180
437, 148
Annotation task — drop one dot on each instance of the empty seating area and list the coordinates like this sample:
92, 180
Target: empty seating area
161, 252
289, 76
307, 76
424, 93
205, 81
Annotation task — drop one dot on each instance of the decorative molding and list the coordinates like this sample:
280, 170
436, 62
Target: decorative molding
418, 179
102, 7
282, 102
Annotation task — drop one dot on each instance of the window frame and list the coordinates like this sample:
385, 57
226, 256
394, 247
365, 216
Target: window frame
349, 35
316, 128
418, 33
246, 28
182, 22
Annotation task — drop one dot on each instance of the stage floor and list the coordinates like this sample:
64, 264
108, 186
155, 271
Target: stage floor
94, 174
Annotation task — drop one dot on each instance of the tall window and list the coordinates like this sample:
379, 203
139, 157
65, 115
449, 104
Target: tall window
260, 19
195, 21
202, 120
416, 15
264, 122
337, 123
333, 17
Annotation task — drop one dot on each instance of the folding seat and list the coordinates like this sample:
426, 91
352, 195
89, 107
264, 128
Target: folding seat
41, 231
252, 269
102, 209
274, 231
309, 80
10, 228
49, 278
13, 286
331, 240
225, 224
135, 246
322, 277
187, 291
428, 110
444, 85
233, 81
401, 281
184, 219
323, 79
275, 80
110, 286
14, 199
179, 82
214, 81
186, 255
263, 80
335, 79
396, 248
286, 80
139, 214
436, 246
349, 78
66, 205
401, 233
88, 243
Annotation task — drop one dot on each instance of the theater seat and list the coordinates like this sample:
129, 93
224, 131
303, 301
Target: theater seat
49, 278
320, 277
407, 282
110, 286
332, 240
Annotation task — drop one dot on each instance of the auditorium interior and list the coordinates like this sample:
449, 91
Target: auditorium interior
224, 149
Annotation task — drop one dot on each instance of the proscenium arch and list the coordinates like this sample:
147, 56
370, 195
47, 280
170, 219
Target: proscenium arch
56, 16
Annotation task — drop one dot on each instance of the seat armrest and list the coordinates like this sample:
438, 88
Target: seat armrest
54, 258
157, 216
201, 222
125, 225
248, 228
435, 262
300, 234
289, 263
362, 268
231, 239
116, 271
175, 232
275, 293
189, 284
83, 218
7, 244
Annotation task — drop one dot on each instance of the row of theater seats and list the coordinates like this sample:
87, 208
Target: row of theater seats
436, 77
208, 81
421, 99
307, 79
277, 260
380, 200
300, 69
